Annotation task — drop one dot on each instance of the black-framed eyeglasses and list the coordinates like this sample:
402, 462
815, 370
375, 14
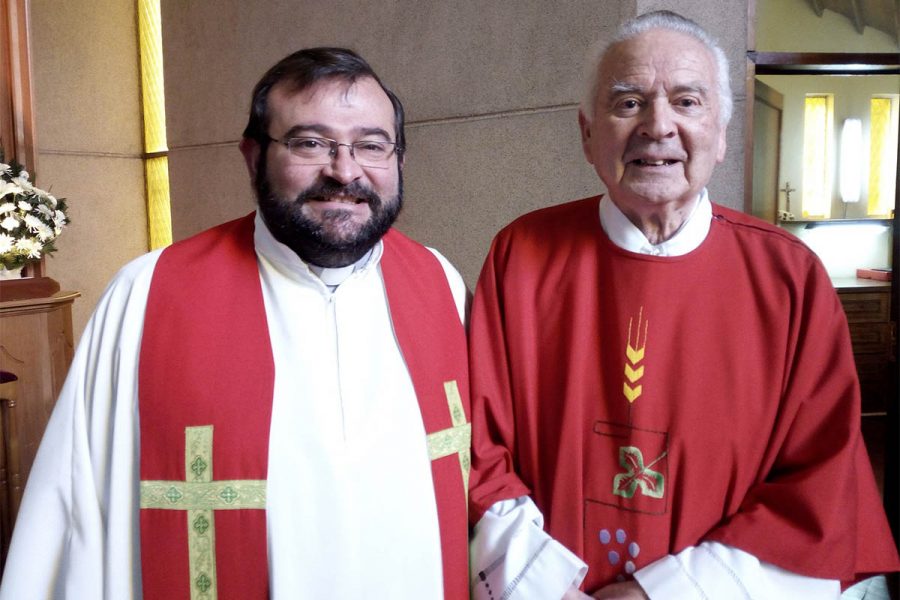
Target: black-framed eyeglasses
321, 151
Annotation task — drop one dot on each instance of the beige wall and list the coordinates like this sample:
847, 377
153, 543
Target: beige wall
491, 92
87, 111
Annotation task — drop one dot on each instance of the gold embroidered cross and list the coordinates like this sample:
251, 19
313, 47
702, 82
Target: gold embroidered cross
456, 439
199, 495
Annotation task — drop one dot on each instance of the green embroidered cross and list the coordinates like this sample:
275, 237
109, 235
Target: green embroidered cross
199, 496
456, 439
651, 483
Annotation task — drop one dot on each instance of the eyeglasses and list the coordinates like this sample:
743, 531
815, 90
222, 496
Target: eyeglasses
321, 151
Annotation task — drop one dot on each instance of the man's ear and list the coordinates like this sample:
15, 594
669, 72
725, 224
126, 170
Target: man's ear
723, 146
584, 125
250, 149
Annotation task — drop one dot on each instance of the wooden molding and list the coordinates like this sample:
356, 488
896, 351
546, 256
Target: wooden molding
17, 129
824, 63
749, 81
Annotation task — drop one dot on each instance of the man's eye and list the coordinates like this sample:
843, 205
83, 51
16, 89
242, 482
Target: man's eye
308, 143
371, 146
629, 104
687, 102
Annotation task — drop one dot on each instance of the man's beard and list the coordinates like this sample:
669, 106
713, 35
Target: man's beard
323, 243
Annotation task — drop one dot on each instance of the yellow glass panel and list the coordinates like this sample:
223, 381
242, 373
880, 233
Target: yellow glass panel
817, 128
883, 156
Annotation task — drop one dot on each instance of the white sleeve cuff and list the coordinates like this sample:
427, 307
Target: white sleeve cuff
512, 557
714, 570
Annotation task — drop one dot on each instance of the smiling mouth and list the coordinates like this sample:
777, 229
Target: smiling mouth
653, 163
341, 199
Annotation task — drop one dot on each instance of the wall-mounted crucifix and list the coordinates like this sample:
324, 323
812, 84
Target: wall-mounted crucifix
787, 189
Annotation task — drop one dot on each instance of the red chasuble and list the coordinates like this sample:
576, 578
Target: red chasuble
206, 381
648, 404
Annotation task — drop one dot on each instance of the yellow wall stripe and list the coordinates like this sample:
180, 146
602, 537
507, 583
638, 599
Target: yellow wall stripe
159, 212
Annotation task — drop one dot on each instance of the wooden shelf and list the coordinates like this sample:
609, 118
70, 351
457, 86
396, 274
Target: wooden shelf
811, 223
36, 348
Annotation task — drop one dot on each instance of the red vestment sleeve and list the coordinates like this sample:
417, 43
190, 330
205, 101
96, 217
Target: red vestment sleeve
493, 476
816, 495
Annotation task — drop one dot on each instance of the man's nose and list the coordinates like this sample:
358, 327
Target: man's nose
658, 120
343, 167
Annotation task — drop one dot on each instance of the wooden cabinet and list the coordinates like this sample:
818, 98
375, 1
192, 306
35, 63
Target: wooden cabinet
867, 305
36, 347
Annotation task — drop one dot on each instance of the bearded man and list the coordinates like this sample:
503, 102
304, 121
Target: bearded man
259, 410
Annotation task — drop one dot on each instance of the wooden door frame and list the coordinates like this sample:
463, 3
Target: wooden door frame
17, 130
767, 98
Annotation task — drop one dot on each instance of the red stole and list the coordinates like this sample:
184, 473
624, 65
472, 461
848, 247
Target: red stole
206, 360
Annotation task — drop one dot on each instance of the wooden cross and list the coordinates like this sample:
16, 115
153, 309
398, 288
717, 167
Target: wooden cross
456, 439
199, 495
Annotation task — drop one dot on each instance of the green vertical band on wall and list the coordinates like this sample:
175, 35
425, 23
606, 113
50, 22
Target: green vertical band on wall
156, 168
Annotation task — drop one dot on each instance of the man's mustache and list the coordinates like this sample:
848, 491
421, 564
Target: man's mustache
330, 188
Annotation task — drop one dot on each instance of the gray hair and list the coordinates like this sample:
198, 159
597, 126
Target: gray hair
661, 19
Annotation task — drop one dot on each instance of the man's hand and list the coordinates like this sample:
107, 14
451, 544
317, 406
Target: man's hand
575, 594
629, 590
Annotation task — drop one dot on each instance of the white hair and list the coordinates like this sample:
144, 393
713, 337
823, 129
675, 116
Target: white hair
661, 19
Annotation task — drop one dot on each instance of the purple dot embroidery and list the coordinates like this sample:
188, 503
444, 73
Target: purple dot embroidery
613, 557
620, 536
604, 536
634, 549
629, 567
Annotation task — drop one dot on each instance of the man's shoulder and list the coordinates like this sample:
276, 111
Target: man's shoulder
396, 237
767, 244
425, 262
398, 244
567, 211
755, 228
239, 230
564, 219
136, 269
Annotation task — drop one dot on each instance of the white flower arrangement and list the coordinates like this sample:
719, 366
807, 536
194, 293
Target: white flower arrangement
30, 218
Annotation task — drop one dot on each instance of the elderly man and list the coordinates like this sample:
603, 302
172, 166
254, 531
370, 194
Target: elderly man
669, 380
276, 407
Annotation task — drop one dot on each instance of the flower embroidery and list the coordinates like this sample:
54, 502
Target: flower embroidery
637, 475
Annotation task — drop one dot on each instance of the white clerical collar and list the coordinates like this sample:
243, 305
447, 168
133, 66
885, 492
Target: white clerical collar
291, 264
624, 234
335, 276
